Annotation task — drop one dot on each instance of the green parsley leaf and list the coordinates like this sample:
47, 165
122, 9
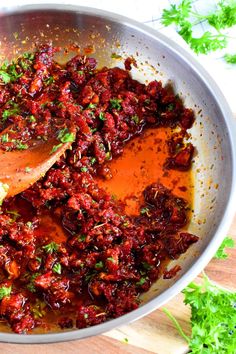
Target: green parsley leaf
99, 264
213, 318
228, 242
20, 146
102, 116
31, 285
144, 210
230, 58
55, 148
84, 169
208, 42
6, 78
224, 16
170, 107
185, 19
92, 105
93, 160
32, 119
108, 155
49, 81
51, 247
176, 14
57, 268
135, 119
146, 266
141, 282
4, 138
111, 259
116, 56
5, 291
65, 136
29, 56
81, 238
115, 103
9, 112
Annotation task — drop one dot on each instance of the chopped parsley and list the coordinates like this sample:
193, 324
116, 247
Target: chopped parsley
5, 291
20, 146
65, 136
170, 107
81, 238
115, 56
93, 160
108, 155
32, 119
99, 264
111, 259
141, 282
135, 119
102, 116
55, 148
51, 247
49, 81
146, 266
31, 286
57, 268
6, 78
84, 169
144, 211
29, 56
115, 103
5, 138
10, 112
92, 105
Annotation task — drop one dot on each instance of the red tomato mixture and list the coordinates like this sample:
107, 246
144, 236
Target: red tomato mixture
106, 258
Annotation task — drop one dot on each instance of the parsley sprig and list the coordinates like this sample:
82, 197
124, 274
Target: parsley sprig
4, 291
213, 318
228, 242
213, 314
185, 18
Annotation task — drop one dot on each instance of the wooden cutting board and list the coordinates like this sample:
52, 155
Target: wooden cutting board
154, 333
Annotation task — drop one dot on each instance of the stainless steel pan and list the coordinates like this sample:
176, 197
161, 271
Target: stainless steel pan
213, 133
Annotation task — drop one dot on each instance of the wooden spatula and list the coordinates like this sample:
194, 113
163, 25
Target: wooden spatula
20, 169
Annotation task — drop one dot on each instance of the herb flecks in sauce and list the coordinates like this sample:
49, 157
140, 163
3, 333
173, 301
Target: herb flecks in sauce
68, 246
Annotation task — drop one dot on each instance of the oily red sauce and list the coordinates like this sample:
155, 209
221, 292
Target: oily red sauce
80, 246
142, 164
